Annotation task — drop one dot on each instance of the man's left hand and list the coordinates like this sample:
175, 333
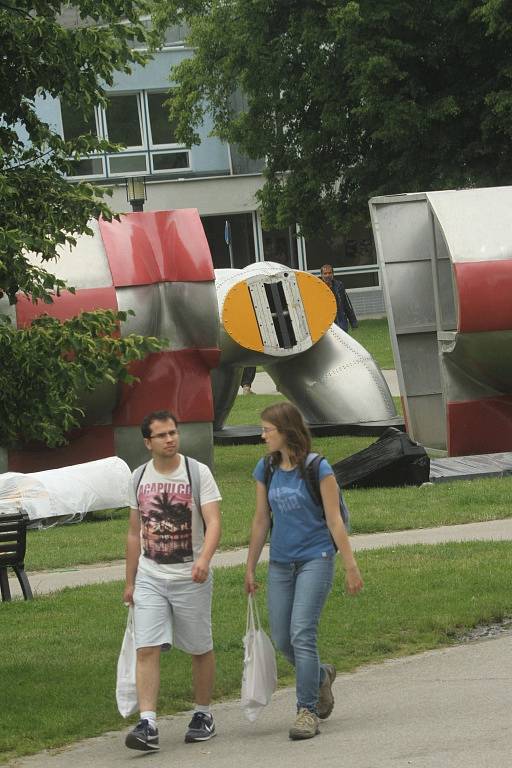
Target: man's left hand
200, 570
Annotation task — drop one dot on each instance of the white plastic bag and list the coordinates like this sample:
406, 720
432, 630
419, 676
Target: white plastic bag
126, 689
259, 679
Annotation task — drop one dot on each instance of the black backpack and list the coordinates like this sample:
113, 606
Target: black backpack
312, 480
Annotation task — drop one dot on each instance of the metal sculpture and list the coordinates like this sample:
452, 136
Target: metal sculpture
159, 264
283, 319
446, 264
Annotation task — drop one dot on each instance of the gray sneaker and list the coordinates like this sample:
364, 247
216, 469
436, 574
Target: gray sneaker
305, 725
143, 737
325, 695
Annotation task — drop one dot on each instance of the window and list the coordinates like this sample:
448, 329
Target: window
280, 245
138, 121
242, 239
162, 131
74, 124
123, 119
170, 161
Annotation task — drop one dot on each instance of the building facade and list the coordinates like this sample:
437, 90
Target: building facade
213, 177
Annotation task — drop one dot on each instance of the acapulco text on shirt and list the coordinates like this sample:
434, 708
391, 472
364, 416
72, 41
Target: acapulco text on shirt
166, 521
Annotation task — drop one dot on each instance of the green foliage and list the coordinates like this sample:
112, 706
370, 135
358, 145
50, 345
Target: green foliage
41, 59
349, 99
46, 367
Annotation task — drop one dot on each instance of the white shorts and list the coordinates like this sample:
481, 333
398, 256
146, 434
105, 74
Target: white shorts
173, 613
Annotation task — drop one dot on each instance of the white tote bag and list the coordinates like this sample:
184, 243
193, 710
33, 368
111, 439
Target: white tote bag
126, 689
259, 679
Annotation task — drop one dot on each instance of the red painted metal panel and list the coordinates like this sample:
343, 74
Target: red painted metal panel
87, 444
480, 426
66, 305
177, 381
157, 246
485, 291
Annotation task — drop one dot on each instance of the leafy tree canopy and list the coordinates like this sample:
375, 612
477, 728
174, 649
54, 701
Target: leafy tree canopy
349, 99
39, 57
46, 368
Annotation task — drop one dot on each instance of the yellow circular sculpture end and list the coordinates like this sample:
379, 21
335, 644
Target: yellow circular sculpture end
239, 318
318, 302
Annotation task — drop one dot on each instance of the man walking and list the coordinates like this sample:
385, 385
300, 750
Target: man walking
344, 309
173, 533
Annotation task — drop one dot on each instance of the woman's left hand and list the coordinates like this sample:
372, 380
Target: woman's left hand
353, 580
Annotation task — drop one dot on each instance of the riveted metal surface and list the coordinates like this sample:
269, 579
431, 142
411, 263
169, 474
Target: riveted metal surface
336, 381
280, 312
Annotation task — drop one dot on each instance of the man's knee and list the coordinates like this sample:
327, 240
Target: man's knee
148, 653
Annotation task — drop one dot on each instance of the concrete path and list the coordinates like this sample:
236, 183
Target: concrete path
263, 384
441, 709
44, 582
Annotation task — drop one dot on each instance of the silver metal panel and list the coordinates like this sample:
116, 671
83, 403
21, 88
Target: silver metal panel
266, 315
185, 313
196, 439
405, 230
420, 363
419, 302
225, 383
426, 420
476, 222
336, 381
447, 305
411, 294
84, 266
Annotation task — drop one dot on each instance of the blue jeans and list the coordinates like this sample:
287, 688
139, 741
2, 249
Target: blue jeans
296, 594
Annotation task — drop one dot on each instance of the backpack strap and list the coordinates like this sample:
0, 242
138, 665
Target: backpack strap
137, 477
194, 479
312, 476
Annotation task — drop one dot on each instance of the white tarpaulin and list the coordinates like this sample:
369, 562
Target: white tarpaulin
66, 494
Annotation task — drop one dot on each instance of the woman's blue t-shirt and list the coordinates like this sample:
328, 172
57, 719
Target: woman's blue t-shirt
299, 530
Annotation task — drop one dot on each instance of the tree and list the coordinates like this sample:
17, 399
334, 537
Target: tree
348, 99
45, 368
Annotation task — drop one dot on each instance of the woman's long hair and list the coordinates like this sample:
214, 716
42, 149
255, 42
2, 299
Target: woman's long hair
289, 422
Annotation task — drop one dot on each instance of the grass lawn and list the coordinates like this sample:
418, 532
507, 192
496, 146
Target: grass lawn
374, 336
58, 653
378, 509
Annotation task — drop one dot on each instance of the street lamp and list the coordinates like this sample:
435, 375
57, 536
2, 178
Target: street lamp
136, 192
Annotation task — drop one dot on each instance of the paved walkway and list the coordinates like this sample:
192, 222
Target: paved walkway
441, 709
43, 582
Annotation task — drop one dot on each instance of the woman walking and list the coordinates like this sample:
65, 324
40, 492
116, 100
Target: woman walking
303, 544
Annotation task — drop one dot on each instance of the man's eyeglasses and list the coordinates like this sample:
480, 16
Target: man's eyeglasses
162, 435
266, 430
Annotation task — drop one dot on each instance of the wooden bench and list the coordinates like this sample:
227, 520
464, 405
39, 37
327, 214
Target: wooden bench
13, 543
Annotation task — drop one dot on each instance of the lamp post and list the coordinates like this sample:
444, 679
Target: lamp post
136, 192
